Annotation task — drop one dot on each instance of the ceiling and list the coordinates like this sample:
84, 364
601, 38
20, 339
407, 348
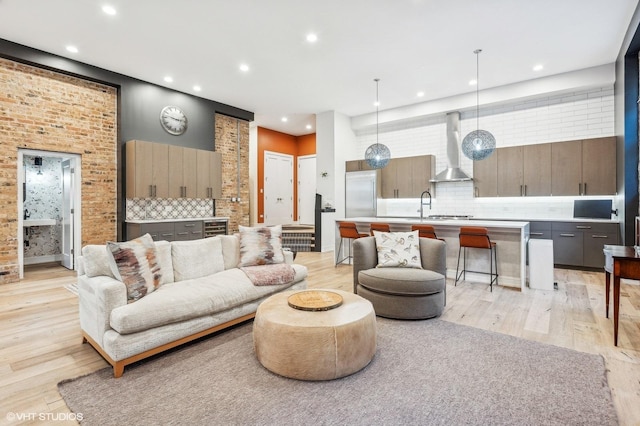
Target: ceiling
411, 45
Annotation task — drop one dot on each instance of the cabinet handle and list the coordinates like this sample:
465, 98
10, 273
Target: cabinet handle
583, 227
150, 190
536, 233
599, 236
585, 188
189, 225
579, 188
183, 233
521, 191
525, 190
567, 235
167, 234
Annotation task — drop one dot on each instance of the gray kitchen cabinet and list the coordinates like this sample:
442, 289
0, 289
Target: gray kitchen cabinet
407, 177
158, 230
357, 166
485, 177
146, 170
192, 230
540, 230
581, 243
182, 173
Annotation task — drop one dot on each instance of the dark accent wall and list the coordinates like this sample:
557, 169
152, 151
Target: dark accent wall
139, 106
626, 127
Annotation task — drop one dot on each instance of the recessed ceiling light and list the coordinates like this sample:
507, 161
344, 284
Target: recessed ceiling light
109, 10
168, 79
312, 38
284, 119
244, 67
376, 103
197, 88
308, 126
72, 49
538, 67
473, 82
420, 94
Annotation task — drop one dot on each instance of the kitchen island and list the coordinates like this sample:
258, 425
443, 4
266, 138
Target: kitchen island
511, 239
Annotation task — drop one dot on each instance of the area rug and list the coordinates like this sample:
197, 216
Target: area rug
423, 373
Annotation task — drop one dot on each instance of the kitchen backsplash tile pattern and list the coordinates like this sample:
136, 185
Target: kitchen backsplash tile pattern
43, 201
167, 208
570, 116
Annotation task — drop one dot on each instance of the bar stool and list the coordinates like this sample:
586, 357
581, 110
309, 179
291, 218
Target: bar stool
425, 231
382, 227
477, 237
347, 230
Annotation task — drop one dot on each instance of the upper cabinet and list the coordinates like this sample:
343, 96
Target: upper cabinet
485, 177
209, 180
582, 167
357, 166
407, 177
155, 170
147, 170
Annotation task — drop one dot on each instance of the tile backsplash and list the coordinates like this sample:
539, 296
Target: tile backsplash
168, 208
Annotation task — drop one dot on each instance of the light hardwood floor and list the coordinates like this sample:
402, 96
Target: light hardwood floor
40, 341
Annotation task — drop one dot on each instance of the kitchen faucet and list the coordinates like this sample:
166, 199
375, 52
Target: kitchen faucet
422, 203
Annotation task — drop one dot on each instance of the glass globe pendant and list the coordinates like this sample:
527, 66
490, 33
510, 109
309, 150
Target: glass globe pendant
478, 144
377, 155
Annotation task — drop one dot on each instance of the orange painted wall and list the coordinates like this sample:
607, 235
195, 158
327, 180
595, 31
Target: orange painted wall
270, 140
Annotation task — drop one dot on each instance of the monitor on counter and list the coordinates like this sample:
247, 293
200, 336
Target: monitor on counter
592, 209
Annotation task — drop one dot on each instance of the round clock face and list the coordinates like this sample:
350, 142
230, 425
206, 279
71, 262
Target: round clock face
173, 120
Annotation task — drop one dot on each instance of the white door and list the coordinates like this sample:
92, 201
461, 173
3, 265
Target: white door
306, 189
278, 188
67, 213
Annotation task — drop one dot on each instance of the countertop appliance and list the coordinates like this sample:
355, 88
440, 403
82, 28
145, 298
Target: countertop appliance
592, 209
361, 194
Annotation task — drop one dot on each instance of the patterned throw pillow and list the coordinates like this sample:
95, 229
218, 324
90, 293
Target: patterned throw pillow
398, 249
260, 245
135, 264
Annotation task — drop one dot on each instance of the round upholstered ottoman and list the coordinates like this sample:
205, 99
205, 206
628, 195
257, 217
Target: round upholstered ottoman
403, 293
315, 345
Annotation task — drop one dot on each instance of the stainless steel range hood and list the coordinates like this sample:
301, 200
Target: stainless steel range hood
453, 172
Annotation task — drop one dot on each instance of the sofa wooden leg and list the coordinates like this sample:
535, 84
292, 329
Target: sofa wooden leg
84, 340
118, 369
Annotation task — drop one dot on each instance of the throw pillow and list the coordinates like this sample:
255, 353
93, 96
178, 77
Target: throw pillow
196, 258
96, 261
135, 264
260, 245
398, 249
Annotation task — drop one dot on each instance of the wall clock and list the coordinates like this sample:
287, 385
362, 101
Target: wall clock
173, 120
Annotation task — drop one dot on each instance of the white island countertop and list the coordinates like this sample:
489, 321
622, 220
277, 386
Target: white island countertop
439, 222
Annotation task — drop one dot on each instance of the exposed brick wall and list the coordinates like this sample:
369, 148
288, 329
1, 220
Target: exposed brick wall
227, 143
44, 110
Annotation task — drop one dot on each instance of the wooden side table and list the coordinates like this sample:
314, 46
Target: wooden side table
622, 262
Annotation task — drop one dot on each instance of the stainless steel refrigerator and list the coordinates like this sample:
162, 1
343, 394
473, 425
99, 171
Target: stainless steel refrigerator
361, 194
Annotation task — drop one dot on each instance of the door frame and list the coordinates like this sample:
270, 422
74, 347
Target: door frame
77, 201
315, 190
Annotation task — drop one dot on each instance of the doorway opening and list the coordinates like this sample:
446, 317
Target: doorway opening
49, 205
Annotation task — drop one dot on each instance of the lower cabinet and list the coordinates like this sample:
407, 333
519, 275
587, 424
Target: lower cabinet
581, 243
168, 231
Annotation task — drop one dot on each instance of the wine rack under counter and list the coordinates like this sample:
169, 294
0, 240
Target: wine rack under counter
215, 227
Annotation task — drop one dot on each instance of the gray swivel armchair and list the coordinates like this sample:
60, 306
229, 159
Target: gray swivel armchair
401, 293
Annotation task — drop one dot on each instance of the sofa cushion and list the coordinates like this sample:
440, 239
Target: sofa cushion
196, 258
96, 261
402, 281
230, 250
398, 249
163, 250
135, 264
260, 245
189, 299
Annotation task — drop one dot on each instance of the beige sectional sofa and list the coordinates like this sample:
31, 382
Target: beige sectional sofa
199, 294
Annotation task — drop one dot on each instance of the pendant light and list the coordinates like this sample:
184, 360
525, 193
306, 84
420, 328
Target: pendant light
478, 144
377, 155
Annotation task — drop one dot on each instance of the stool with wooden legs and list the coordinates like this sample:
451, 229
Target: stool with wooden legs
478, 238
349, 231
382, 227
